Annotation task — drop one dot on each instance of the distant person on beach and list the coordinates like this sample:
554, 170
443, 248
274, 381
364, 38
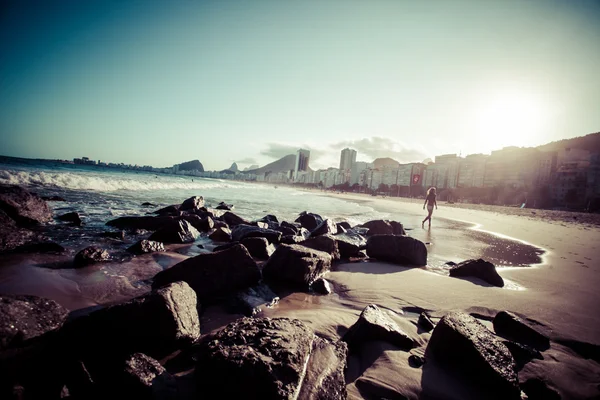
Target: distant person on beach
429, 202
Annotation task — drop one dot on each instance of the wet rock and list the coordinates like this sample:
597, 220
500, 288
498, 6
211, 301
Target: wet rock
176, 232
90, 255
25, 208
416, 360
321, 286
261, 224
397, 249
292, 239
251, 301
269, 218
224, 206
232, 219
146, 246
326, 243
296, 265
52, 198
266, 358
214, 274
537, 389
148, 204
309, 220
172, 210
522, 353
24, 318
201, 224
12, 237
258, 247
225, 246
193, 203
397, 227
294, 226
350, 245
341, 229
481, 269
143, 377
374, 324
467, 347
510, 326
327, 227
379, 227
324, 378
221, 234
147, 223
71, 217
287, 231
242, 231
425, 322
344, 225
119, 235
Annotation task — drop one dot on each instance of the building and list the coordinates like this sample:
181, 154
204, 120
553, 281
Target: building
593, 179
347, 159
447, 171
355, 172
302, 158
547, 167
471, 171
516, 167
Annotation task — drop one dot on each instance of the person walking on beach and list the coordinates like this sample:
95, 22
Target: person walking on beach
430, 202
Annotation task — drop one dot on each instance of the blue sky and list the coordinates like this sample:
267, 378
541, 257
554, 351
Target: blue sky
157, 82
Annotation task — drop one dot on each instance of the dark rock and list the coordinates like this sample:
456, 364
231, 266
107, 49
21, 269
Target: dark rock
326, 243
295, 226
41, 247
25, 208
374, 324
201, 224
416, 361
224, 206
52, 198
71, 217
221, 235
305, 233
397, 249
147, 223
481, 269
168, 211
463, 344
265, 357
214, 274
350, 245
341, 229
327, 227
144, 378
522, 353
12, 237
225, 246
286, 231
259, 247
379, 227
176, 232
309, 220
510, 326
251, 301
232, 219
25, 318
193, 203
425, 322
269, 218
242, 231
120, 235
147, 204
292, 239
296, 265
537, 389
321, 286
146, 246
90, 255
344, 225
397, 227
324, 378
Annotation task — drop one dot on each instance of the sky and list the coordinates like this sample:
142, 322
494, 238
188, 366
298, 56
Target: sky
163, 82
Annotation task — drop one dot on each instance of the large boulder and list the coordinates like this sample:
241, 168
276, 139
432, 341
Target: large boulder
259, 247
146, 246
327, 227
224, 206
397, 249
172, 210
309, 220
176, 232
397, 227
375, 324
481, 269
148, 223
201, 224
193, 203
242, 231
233, 219
26, 208
11, 236
461, 343
379, 227
350, 244
326, 243
321, 286
511, 326
71, 217
270, 359
296, 265
221, 234
90, 255
214, 274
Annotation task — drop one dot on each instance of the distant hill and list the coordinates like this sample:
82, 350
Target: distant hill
385, 162
234, 167
250, 168
284, 164
589, 142
194, 165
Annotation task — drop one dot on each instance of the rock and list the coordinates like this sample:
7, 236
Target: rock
242, 231
12, 237
266, 358
481, 269
71, 217
345, 225
510, 326
201, 224
258, 247
291, 226
286, 231
350, 245
324, 378
321, 286
176, 232
537, 389
416, 361
52, 198
25, 318
296, 265
143, 377
397, 249
90, 255
466, 346
522, 353
224, 206
147, 223
146, 246
341, 229
326, 243
251, 301
148, 204
221, 235
193, 203
292, 239
25, 208
120, 235
309, 220
214, 274
225, 246
327, 227
425, 322
379, 227
374, 324
261, 224
172, 210
397, 227
270, 218
232, 219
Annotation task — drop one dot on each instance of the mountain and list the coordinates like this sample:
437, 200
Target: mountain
250, 168
194, 165
589, 142
234, 168
284, 164
385, 162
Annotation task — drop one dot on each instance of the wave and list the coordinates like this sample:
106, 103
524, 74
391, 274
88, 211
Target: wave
107, 182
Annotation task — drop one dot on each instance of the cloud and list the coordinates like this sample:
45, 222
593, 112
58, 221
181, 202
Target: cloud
377, 147
247, 160
278, 150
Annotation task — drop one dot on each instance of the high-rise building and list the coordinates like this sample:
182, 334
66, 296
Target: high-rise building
302, 158
513, 167
472, 170
347, 159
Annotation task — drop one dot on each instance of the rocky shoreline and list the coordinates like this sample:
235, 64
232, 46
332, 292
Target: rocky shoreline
154, 346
